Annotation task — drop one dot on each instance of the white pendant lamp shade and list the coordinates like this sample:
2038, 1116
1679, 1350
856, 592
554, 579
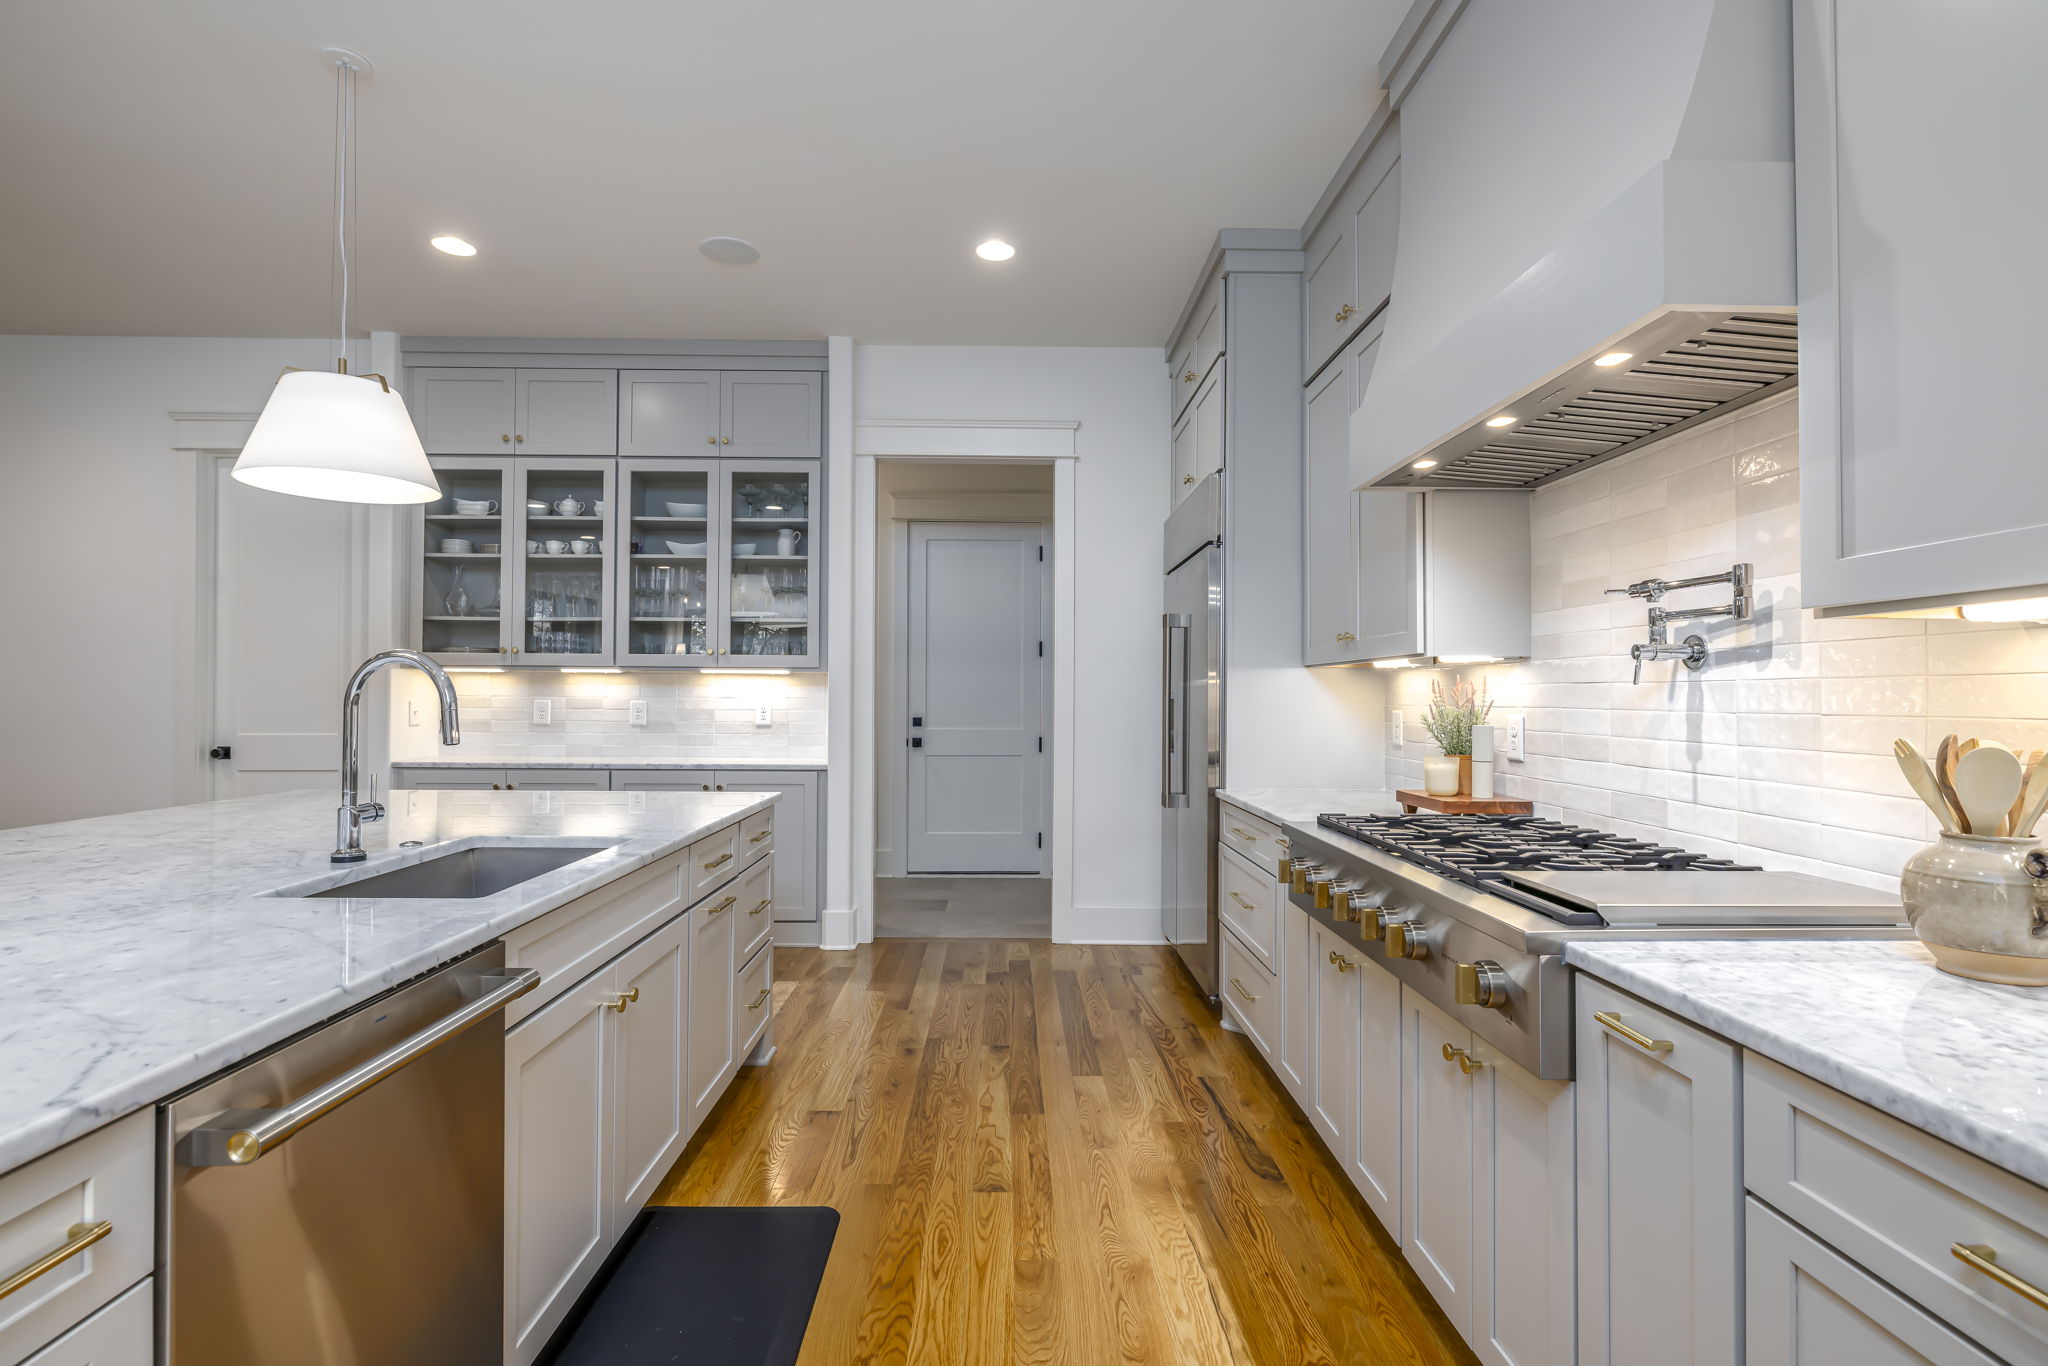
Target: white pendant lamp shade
340, 437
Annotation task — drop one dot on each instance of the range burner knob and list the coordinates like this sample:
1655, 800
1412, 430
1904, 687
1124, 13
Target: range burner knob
1484, 983
1284, 870
1323, 886
1304, 869
1376, 924
1344, 901
1407, 939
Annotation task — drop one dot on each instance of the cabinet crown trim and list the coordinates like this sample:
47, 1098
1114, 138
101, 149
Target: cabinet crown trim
955, 437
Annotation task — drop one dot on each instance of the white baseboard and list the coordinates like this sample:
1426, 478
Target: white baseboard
796, 934
838, 928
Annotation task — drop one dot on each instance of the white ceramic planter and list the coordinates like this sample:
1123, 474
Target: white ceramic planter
1980, 904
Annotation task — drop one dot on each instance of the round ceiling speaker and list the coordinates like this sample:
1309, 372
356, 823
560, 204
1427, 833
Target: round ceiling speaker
732, 251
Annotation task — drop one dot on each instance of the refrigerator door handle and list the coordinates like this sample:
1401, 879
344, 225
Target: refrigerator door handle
1173, 781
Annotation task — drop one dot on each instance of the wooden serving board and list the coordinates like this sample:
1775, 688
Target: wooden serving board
1413, 800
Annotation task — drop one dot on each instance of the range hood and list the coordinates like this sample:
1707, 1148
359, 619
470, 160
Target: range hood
1655, 235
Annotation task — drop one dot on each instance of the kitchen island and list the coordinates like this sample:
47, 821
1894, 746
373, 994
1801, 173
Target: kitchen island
142, 952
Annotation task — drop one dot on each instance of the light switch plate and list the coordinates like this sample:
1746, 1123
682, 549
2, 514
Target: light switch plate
543, 711
1393, 730
1513, 735
636, 712
762, 716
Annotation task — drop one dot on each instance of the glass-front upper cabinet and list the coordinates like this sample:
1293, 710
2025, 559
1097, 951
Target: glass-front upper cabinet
664, 579
464, 570
561, 598
770, 516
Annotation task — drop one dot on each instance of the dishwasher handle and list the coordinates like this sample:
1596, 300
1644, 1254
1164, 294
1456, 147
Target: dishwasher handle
235, 1138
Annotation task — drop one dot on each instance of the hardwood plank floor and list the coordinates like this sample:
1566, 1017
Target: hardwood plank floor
1050, 1154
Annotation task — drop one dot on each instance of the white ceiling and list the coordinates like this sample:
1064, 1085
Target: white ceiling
167, 166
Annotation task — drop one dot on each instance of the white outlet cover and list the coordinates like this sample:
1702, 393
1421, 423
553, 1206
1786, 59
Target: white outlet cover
762, 717
1394, 730
636, 712
1513, 738
412, 711
543, 711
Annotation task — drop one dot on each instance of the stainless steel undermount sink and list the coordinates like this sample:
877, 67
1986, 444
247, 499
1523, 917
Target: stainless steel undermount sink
463, 874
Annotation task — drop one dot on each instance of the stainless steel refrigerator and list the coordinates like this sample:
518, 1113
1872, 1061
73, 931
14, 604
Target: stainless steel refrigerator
1191, 710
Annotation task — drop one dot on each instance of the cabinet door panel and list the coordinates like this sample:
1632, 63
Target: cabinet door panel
1376, 1153
1298, 980
1436, 1105
668, 412
1329, 522
122, 1334
448, 779
1329, 287
796, 836
1659, 1188
661, 780
1334, 1111
1522, 1184
1184, 458
463, 412
561, 601
567, 412
1182, 375
1375, 229
1390, 577
1207, 326
649, 1110
711, 1013
459, 596
557, 1064
772, 414
1209, 423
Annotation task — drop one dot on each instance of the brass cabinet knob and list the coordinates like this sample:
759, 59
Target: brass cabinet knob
507, 437
624, 999
1339, 961
1343, 636
515, 649
1190, 377
519, 438
1344, 313
1466, 1062
725, 440
1482, 983
711, 441
1187, 479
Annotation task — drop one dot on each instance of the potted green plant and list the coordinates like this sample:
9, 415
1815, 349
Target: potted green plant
1454, 709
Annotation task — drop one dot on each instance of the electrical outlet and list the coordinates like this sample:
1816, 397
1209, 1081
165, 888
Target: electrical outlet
636, 712
543, 711
1394, 740
636, 802
762, 717
1511, 737
412, 711
543, 803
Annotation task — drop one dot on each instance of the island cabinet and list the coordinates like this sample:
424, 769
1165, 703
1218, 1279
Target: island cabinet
1918, 255
1659, 1165
620, 1053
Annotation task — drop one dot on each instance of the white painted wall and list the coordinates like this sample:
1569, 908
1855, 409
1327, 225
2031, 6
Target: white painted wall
99, 558
1119, 397
1780, 751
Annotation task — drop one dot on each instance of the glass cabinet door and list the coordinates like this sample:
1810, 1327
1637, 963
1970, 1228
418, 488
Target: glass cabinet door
771, 516
562, 601
463, 577
664, 586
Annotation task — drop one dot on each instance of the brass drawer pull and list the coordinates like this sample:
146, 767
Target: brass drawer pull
722, 858
1978, 1257
766, 902
756, 1005
1343, 636
1248, 905
1239, 988
1641, 1040
626, 998
77, 1238
1466, 1062
724, 905
1283, 841
1243, 833
756, 839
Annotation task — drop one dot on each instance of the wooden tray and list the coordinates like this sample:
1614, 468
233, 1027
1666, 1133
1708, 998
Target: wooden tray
1412, 800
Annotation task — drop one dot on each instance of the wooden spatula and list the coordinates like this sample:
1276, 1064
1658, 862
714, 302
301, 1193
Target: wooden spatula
1920, 778
2034, 799
2028, 758
1945, 777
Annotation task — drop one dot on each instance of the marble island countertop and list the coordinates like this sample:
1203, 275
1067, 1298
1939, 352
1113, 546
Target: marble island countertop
140, 952
1301, 805
613, 761
1965, 1061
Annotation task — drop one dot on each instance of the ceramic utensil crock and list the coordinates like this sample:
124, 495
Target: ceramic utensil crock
1980, 904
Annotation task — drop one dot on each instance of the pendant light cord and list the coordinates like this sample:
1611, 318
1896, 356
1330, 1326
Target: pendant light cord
345, 118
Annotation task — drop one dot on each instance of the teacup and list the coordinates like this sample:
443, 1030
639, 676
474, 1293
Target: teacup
554, 547
583, 546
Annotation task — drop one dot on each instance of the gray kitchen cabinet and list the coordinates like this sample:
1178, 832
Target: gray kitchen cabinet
1208, 414
463, 411
712, 1054
668, 412
771, 414
798, 834
565, 412
1919, 269
1348, 253
661, 779
501, 779
457, 597
1351, 547
1183, 462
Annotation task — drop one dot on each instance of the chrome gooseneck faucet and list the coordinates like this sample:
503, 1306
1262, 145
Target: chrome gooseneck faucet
1692, 651
348, 821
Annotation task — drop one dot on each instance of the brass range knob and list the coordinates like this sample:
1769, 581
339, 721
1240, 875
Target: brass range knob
1483, 983
1303, 870
1321, 886
1406, 939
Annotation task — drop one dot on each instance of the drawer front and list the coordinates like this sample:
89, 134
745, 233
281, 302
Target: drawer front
1257, 838
572, 941
713, 860
1251, 992
558, 780
753, 999
757, 835
1898, 1202
755, 909
57, 1202
119, 1335
1248, 900
447, 779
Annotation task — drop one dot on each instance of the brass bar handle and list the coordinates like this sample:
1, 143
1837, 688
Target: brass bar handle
722, 858
725, 905
1248, 905
1978, 1257
1283, 841
625, 998
1635, 1036
1238, 987
77, 1239
756, 1004
1243, 833
766, 902
236, 1138
756, 839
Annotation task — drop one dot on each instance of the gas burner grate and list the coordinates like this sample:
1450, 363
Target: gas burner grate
1481, 851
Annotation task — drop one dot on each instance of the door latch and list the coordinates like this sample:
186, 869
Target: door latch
221, 752
917, 742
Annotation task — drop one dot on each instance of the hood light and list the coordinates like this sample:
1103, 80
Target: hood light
2012, 609
593, 671
1423, 465
1502, 421
742, 671
1395, 663
1469, 659
1615, 357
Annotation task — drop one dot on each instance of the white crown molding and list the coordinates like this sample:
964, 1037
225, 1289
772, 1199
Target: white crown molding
955, 438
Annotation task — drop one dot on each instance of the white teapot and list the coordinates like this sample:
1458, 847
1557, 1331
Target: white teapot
569, 507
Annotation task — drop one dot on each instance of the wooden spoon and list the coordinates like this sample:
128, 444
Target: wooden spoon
2035, 799
1988, 782
1920, 778
2028, 759
1945, 778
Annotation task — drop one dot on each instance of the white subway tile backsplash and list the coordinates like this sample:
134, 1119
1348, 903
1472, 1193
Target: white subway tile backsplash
689, 716
1780, 751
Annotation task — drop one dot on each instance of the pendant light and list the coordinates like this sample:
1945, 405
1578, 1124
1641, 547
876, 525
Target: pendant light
342, 437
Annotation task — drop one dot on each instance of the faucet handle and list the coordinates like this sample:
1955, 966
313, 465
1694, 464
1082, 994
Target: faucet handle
370, 811
1635, 652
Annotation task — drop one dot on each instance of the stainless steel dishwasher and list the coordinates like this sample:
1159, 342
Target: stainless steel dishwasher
340, 1200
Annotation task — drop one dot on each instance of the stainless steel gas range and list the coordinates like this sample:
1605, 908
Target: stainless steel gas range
1474, 912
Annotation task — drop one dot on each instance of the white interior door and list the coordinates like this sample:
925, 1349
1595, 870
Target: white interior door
976, 698
285, 635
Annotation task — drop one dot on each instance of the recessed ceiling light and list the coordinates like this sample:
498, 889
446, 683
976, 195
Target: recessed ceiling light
731, 251
1502, 421
995, 249
454, 246
1424, 464
1615, 357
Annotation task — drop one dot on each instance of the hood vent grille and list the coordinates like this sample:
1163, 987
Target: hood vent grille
1689, 367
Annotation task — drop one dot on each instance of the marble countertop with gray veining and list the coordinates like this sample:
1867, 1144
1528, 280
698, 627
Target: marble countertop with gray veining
140, 952
614, 761
1301, 805
1965, 1061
